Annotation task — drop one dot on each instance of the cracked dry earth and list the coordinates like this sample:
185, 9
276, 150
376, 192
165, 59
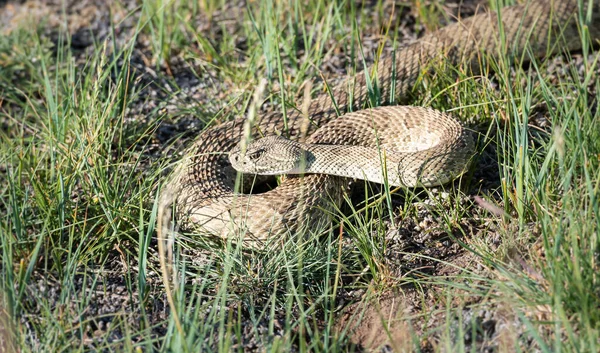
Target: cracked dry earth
180, 91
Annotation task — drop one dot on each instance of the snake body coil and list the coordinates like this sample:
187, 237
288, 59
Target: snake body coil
202, 187
398, 145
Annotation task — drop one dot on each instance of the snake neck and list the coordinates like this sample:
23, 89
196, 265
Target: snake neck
366, 163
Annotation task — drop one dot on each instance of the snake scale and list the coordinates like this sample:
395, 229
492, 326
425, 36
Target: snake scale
201, 189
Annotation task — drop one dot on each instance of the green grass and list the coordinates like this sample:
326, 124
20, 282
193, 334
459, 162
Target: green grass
81, 175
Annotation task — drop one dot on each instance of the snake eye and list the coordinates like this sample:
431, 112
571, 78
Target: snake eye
256, 154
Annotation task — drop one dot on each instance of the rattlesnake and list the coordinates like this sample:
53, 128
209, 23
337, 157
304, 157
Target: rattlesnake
201, 188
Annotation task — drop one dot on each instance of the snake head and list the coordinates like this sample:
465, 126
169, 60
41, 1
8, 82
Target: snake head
271, 155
